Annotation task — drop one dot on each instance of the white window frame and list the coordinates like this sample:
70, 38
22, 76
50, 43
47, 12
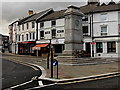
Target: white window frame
103, 17
103, 33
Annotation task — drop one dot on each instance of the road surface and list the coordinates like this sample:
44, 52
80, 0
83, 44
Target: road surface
15, 73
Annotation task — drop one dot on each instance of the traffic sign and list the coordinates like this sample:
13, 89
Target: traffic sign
92, 43
55, 62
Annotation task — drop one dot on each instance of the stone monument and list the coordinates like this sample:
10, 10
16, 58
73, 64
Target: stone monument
73, 31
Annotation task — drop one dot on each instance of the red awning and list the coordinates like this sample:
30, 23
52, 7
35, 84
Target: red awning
25, 42
37, 47
41, 45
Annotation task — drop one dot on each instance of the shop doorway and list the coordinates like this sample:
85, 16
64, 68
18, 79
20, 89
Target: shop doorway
88, 47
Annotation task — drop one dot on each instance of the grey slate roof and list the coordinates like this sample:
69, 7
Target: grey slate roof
100, 8
54, 15
35, 16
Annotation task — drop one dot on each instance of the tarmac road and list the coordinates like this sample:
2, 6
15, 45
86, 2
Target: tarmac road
15, 73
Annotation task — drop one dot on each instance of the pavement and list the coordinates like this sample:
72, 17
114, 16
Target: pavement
83, 68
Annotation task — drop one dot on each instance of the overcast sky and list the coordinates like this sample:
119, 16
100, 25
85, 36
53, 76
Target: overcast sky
11, 11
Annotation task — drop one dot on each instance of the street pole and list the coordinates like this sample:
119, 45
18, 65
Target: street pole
48, 54
51, 61
57, 69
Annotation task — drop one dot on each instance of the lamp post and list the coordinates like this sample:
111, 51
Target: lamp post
91, 31
50, 53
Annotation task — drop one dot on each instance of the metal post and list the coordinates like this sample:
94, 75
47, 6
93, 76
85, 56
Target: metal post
51, 63
57, 69
48, 55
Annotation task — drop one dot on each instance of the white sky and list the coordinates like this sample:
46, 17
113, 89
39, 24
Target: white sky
11, 10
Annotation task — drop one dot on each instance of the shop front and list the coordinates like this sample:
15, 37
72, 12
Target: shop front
25, 48
42, 47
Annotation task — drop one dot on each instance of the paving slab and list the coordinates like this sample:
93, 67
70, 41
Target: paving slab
70, 71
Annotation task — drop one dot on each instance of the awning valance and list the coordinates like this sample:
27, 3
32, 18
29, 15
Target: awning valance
38, 46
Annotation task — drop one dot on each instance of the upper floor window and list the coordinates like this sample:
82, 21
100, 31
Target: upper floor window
111, 47
27, 25
41, 34
47, 32
53, 33
99, 47
119, 15
19, 28
104, 16
22, 37
18, 37
33, 35
22, 26
119, 28
53, 23
30, 35
33, 24
41, 24
104, 30
85, 30
60, 31
26, 36
85, 19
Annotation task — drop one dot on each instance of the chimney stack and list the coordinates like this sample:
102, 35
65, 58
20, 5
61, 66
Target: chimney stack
30, 12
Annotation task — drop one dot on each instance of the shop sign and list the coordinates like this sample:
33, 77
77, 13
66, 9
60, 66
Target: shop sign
53, 41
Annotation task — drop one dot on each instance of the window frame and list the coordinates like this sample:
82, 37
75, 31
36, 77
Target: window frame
53, 22
22, 26
41, 34
103, 33
41, 24
53, 33
99, 47
33, 24
103, 16
110, 47
27, 25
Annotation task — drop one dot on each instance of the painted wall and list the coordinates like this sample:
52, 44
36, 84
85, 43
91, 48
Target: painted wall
111, 22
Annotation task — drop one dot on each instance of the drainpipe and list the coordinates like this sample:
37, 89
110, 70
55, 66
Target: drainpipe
36, 31
92, 34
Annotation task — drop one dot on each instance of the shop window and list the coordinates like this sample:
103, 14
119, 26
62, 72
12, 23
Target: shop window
111, 47
53, 23
53, 33
41, 34
99, 47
